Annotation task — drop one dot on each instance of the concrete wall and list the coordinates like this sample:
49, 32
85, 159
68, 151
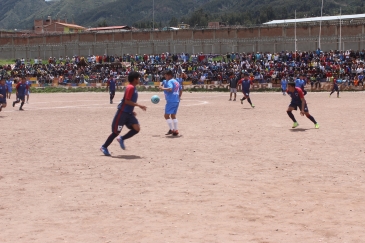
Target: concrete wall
220, 41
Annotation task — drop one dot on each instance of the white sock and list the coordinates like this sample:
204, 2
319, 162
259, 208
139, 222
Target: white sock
169, 122
175, 123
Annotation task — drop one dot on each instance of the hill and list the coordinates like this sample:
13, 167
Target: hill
19, 14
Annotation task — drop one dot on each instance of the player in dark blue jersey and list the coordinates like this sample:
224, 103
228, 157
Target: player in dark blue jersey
3, 93
21, 90
335, 88
246, 84
111, 86
125, 115
297, 100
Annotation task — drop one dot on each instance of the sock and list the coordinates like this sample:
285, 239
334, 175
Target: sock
175, 123
249, 101
110, 140
111, 97
169, 122
312, 119
332, 92
21, 105
17, 101
290, 114
243, 98
338, 93
130, 134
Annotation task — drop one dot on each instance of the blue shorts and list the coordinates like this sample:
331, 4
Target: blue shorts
10, 90
20, 97
295, 106
335, 87
3, 101
246, 92
123, 119
171, 108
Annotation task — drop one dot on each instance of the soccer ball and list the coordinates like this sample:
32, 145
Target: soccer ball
155, 99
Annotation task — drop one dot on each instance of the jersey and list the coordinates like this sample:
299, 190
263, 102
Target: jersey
111, 84
29, 83
298, 83
174, 95
21, 89
129, 94
3, 89
9, 85
233, 83
180, 81
245, 84
284, 84
296, 96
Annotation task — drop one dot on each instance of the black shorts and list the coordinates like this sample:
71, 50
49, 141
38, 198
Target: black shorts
20, 97
112, 92
123, 119
335, 88
295, 106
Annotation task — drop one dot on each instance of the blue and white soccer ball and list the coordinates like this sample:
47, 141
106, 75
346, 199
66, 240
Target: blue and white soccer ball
155, 99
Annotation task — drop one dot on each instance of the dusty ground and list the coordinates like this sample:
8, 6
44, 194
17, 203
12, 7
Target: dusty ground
236, 174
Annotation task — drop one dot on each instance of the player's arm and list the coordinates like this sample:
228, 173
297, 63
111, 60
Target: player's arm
107, 86
128, 99
169, 87
17, 87
301, 96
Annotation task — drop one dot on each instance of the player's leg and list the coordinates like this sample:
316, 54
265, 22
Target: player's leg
234, 94
112, 94
306, 112
133, 125
168, 112
289, 111
230, 95
2, 105
333, 90
175, 131
338, 92
247, 95
117, 126
243, 98
16, 101
28, 93
22, 103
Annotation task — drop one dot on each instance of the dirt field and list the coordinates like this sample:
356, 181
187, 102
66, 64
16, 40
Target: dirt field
235, 174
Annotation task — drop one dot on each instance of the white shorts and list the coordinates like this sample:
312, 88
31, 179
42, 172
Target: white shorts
233, 90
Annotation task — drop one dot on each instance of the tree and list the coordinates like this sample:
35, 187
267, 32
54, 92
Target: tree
173, 21
103, 23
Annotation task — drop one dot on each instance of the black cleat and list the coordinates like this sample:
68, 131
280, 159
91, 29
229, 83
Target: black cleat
169, 132
13, 103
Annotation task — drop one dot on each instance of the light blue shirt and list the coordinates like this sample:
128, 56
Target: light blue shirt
174, 95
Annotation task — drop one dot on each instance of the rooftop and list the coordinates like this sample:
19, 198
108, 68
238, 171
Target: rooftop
316, 19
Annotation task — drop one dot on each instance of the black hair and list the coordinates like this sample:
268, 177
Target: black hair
132, 76
169, 72
291, 84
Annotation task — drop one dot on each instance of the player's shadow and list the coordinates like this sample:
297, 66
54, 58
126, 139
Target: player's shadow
299, 129
179, 136
127, 157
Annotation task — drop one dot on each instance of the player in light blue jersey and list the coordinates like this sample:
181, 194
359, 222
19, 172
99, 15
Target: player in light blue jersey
284, 85
171, 89
29, 83
9, 85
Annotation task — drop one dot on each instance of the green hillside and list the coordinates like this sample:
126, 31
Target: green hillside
19, 14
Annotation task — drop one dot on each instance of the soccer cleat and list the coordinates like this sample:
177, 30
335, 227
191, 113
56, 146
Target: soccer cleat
13, 103
121, 142
169, 132
234, 100
230, 100
105, 151
253, 106
175, 133
21, 109
241, 101
295, 124
316, 126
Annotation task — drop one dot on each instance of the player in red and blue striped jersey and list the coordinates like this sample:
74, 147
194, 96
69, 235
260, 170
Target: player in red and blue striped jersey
297, 100
246, 84
125, 115
21, 90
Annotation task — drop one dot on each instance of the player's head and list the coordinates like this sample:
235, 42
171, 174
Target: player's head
133, 78
24, 79
291, 86
2, 80
246, 75
168, 75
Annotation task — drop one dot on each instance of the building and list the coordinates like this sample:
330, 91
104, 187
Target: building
55, 26
107, 29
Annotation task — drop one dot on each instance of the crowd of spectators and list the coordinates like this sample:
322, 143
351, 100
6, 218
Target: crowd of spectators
316, 66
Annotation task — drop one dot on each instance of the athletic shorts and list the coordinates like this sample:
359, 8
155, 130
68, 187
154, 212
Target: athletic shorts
233, 90
123, 119
20, 97
3, 101
295, 106
171, 108
246, 92
10, 90
27, 92
335, 88
112, 92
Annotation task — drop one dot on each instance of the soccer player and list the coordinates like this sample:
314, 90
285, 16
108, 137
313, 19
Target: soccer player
233, 87
21, 90
3, 92
335, 88
297, 100
9, 85
27, 93
181, 80
284, 85
246, 84
111, 84
171, 89
125, 115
